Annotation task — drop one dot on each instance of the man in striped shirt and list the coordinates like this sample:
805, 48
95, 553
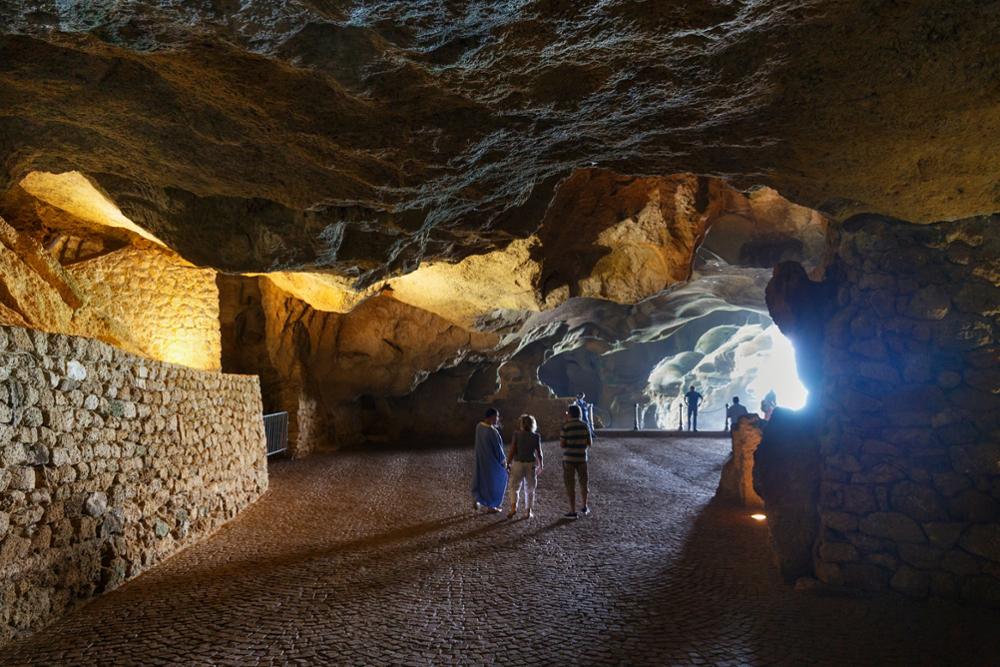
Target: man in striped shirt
575, 441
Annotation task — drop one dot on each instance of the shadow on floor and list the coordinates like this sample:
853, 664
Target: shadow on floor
723, 600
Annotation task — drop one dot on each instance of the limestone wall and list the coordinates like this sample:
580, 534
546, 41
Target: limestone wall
169, 308
108, 464
910, 497
142, 297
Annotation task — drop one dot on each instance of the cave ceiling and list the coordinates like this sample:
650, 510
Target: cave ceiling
362, 138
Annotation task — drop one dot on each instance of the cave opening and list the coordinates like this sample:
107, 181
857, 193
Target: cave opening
725, 354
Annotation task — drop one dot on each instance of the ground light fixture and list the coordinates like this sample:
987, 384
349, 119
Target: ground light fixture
758, 517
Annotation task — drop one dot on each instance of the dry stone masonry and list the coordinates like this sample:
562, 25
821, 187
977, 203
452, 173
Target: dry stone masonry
910, 497
108, 464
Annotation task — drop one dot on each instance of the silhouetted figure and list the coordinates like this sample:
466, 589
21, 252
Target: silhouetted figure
489, 480
768, 405
693, 399
586, 412
734, 412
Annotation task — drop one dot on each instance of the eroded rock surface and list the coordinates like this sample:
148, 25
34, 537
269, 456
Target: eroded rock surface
736, 483
366, 136
142, 298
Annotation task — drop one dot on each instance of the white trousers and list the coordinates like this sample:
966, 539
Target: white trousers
522, 475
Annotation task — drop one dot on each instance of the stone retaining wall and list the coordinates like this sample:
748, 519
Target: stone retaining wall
910, 498
108, 464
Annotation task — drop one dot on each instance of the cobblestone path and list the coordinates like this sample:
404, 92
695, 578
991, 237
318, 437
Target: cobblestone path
377, 558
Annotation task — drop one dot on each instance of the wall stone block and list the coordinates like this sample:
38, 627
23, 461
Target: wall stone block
911, 581
867, 576
918, 501
892, 526
974, 505
983, 540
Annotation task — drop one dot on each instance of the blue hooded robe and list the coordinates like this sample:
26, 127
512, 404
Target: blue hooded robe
490, 479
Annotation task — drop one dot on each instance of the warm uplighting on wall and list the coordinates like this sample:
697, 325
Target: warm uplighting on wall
758, 517
73, 193
188, 350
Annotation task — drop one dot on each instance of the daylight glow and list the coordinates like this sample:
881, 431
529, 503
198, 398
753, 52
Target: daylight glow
775, 369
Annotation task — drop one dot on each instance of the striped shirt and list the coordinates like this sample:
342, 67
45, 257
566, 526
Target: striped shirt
575, 440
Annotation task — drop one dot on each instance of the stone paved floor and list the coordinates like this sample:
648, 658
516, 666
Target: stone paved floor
377, 559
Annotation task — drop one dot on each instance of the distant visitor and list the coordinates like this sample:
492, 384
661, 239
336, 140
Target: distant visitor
489, 480
586, 412
575, 442
768, 405
525, 462
735, 411
693, 399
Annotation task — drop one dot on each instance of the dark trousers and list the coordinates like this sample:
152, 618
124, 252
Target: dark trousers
692, 418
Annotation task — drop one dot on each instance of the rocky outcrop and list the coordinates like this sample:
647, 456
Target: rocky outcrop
786, 475
367, 138
110, 463
762, 229
736, 483
623, 238
143, 298
324, 367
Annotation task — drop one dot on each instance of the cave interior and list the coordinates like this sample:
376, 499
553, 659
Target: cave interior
393, 216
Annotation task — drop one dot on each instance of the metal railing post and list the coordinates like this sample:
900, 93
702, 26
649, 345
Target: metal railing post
276, 432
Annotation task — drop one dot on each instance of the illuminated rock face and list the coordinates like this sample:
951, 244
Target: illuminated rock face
367, 136
318, 365
143, 299
736, 483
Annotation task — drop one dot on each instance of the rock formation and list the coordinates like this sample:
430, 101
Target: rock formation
367, 137
395, 214
142, 298
736, 483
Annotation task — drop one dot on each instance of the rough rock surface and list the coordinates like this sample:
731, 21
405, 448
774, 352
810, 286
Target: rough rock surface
606, 236
109, 463
142, 298
736, 483
910, 451
365, 136
324, 361
786, 475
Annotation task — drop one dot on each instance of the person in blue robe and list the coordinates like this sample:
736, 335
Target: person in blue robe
489, 480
